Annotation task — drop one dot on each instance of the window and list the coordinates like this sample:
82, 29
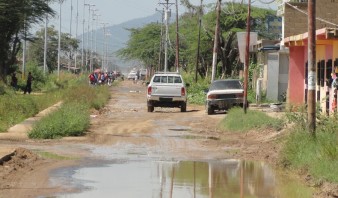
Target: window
170, 79
178, 79
164, 79
157, 79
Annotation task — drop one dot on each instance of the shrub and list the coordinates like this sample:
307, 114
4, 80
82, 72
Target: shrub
237, 120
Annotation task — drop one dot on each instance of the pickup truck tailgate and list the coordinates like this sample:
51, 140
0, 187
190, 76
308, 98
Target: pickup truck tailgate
166, 89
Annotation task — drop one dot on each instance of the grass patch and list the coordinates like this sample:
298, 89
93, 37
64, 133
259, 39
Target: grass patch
72, 119
93, 96
49, 155
14, 108
319, 155
238, 121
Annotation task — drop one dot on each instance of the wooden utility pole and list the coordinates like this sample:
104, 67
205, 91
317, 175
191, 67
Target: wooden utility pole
312, 67
199, 41
161, 42
177, 60
247, 56
214, 58
166, 17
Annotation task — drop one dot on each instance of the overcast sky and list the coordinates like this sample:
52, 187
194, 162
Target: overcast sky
118, 11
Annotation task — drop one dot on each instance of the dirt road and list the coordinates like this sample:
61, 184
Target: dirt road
125, 121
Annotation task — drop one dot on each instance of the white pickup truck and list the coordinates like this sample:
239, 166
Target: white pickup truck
166, 90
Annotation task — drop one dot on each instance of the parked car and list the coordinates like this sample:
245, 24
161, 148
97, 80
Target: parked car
167, 90
224, 94
143, 74
132, 75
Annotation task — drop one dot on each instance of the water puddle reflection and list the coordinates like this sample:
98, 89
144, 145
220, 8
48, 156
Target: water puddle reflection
184, 179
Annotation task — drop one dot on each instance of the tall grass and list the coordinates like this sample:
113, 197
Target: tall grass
73, 118
93, 96
16, 107
319, 155
238, 121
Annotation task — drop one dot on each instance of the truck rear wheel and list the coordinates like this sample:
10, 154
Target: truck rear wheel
150, 108
184, 107
209, 109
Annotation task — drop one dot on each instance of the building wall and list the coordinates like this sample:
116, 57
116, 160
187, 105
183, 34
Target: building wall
326, 54
296, 21
283, 75
296, 75
273, 76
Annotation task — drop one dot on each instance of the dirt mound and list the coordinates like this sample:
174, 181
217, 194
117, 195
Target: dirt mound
328, 190
19, 160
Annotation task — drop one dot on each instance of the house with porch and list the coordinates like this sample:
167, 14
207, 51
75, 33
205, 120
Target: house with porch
276, 70
327, 63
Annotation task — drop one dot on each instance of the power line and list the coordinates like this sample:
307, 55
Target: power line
317, 18
269, 2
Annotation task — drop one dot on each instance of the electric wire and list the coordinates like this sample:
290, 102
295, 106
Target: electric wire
317, 18
269, 2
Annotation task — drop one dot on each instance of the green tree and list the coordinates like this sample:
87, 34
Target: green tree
36, 48
16, 17
144, 42
143, 45
232, 20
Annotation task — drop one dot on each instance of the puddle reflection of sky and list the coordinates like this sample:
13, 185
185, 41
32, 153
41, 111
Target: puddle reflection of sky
184, 179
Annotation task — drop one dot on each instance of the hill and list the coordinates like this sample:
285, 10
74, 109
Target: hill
116, 37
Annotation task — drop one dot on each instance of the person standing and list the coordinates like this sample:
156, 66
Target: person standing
14, 82
29, 83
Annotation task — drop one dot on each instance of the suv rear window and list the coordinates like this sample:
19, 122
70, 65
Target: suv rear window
167, 79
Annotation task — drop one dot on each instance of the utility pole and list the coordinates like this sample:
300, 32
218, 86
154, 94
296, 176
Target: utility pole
214, 59
177, 60
92, 40
107, 50
161, 41
104, 45
70, 34
45, 47
88, 32
312, 67
95, 35
247, 56
83, 29
199, 40
59, 43
76, 30
166, 17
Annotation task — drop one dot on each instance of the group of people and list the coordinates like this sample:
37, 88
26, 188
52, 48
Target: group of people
28, 87
101, 78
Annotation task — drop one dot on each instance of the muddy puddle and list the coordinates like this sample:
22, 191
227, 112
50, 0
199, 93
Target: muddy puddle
134, 174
